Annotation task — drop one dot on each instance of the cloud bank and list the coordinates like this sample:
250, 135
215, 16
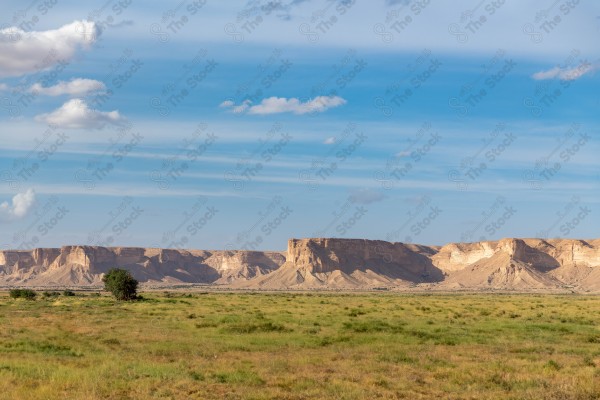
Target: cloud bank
24, 52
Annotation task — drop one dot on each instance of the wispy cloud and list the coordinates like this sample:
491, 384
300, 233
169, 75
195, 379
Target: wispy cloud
366, 196
19, 207
136, 189
239, 109
278, 105
75, 87
396, 2
75, 114
565, 74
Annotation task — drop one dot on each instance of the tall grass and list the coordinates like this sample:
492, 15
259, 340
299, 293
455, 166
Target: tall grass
300, 346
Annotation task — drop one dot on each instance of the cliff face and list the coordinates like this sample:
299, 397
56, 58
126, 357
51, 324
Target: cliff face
350, 263
85, 265
520, 264
324, 263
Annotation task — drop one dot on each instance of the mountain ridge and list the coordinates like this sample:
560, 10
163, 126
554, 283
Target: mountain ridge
323, 263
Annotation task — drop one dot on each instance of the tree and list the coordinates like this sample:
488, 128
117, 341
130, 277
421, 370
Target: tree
121, 284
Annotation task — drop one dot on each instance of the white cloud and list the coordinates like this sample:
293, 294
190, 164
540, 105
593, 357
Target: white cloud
242, 107
236, 109
3, 87
76, 114
227, 104
75, 87
24, 52
277, 105
329, 140
19, 207
565, 74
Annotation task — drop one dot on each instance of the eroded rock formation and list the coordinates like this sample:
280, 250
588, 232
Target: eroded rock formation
521, 264
85, 265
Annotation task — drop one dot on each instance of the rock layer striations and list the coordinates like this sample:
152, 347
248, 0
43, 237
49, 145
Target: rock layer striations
322, 263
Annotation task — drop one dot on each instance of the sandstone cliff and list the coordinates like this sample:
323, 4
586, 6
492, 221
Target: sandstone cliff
521, 264
85, 265
350, 263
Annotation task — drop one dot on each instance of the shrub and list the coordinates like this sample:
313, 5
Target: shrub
50, 294
68, 293
22, 293
121, 284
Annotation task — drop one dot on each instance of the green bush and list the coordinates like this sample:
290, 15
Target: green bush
22, 293
121, 284
50, 294
68, 293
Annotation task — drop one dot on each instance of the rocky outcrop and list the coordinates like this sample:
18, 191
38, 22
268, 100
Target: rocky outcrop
86, 265
520, 264
507, 264
350, 263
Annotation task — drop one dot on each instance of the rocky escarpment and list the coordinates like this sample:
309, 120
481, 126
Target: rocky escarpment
350, 263
521, 264
85, 265
507, 264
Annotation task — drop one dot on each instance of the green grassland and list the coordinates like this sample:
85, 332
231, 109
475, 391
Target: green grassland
301, 346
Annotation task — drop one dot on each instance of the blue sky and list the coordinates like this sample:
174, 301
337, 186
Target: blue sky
204, 124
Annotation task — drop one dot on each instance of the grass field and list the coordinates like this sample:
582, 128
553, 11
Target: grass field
301, 346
